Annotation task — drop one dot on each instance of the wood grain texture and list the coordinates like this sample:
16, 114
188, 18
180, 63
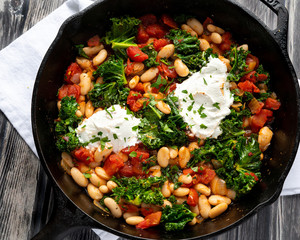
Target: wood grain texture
24, 186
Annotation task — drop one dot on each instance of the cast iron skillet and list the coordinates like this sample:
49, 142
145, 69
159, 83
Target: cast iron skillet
269, 46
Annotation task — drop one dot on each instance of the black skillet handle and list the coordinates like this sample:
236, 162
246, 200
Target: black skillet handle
280, 33
66, 218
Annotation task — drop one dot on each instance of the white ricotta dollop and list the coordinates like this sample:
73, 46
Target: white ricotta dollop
115, 124
204, 99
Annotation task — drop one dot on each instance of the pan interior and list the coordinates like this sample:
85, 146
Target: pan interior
245, 29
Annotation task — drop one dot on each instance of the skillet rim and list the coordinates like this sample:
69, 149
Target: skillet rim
281, 180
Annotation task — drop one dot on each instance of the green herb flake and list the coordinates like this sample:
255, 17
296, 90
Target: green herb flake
191, 96
115, 136
203, 126
133, 154
184, 91
216, 105
204, 81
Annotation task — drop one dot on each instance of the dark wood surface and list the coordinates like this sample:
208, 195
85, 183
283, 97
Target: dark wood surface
24, 187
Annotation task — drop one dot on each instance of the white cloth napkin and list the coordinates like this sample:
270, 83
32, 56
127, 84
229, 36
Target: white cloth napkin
20, 61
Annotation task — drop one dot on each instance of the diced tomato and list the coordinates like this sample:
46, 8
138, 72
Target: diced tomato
226, 42
255, 106
84, 155
130, 149
136, 54
159, 43
207, 21
140, 156
148, 19
259, 120
188, 171
262, 77
151, 220
146, 211
142, 35
206, 175
248, 86
253, 175
252, 62
167, 71
126, 170
132, 101
156, 30
272, 104
71, 90
192, 198
251, 76
73, 73
113, 164
128, 208
171, 88
187, 185
139, 88
166, 19
129, 67
94, 41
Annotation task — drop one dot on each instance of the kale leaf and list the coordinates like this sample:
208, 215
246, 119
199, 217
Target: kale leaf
152, 54
122, 34
65, 127
136, 191
176, 217
112, 70
107, 94
238, 63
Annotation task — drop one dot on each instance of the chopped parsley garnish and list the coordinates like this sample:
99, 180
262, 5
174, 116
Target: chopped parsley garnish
190, 107
133, 154
204, 81
184, 91
135, 128
216, 105
160, 81
115, 136
118, 127
203, 126
108, 112
191, 96
103, 141
87, 175
126, 119
136, 55
100, 133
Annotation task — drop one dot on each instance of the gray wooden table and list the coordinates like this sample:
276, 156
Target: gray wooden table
24, 188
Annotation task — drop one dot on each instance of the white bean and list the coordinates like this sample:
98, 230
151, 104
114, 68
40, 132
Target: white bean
163, 107
133, 82
217, 199
192, 146
91, 51
264, 138
111, 185
173, 152
101, 173
165, 190
89, 109
130, 214
204, 206
85, 83
101, 56
231, 194
195, 209
167, 203
185, 179
94, 192
163, 156
134, 220
84, 63
245, 47
216, 38
218, 186
101, 154
104, 189
181, 200
184, 156
189, 30
65, 166
113, 207
181, 191
217, 210
78, 177
181, 69
68, 159
195, 25
193, 222
201, 188
58, 105
149, 74
96, 180
82, 107
204, 44
166, 51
